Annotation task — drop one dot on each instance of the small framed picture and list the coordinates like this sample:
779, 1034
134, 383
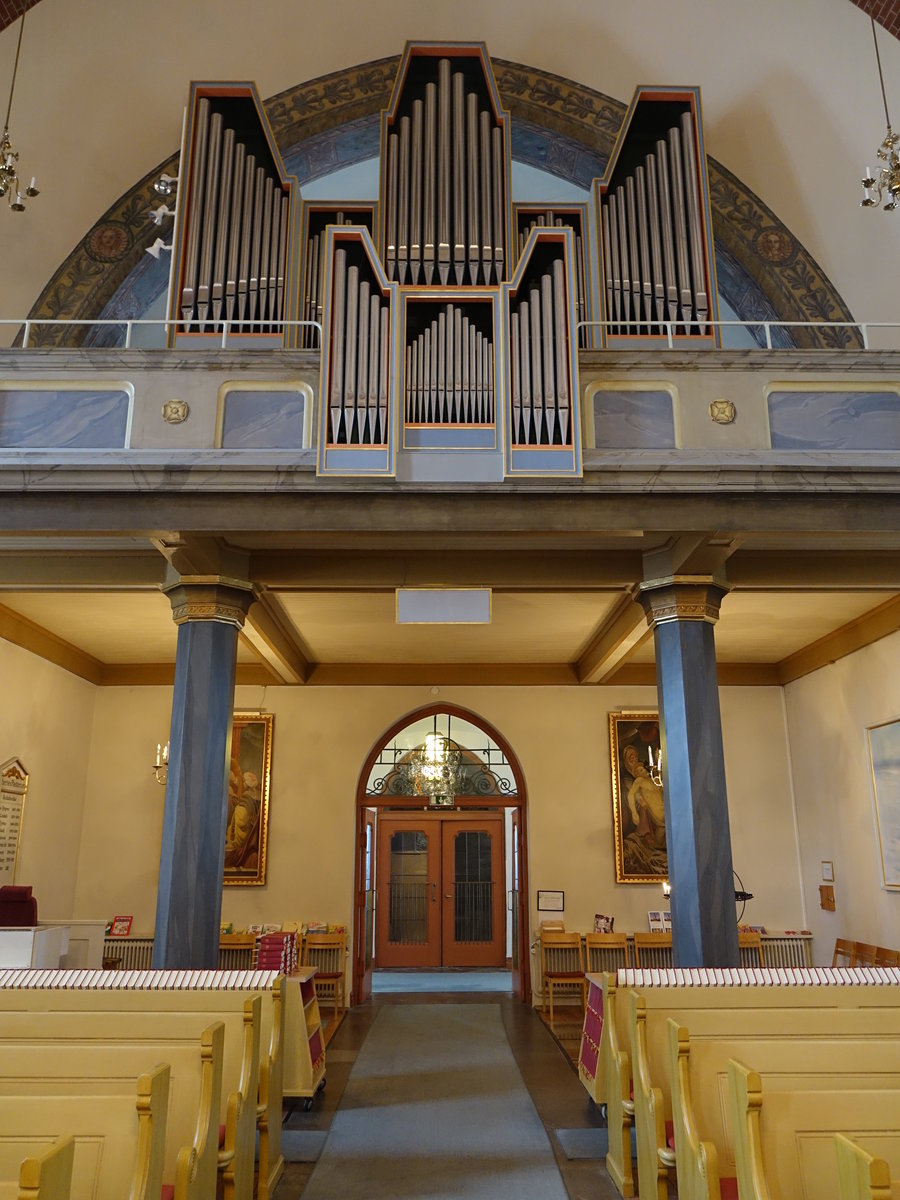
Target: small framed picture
827, 871
120, 927
551, 901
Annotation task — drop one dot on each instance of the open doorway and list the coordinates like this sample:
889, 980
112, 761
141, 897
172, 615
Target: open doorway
440, 859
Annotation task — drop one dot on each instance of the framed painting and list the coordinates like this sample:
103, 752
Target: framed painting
884, 753
639, 823
247, 825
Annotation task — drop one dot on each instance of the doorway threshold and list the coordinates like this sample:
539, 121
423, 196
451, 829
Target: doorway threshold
447, 980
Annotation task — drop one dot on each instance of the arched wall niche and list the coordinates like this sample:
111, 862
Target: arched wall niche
567, 129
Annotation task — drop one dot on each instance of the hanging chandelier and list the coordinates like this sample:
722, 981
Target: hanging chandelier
881, 185
9, 158
434, 769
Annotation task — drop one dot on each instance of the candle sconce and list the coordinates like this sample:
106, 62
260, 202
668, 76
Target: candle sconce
161, 767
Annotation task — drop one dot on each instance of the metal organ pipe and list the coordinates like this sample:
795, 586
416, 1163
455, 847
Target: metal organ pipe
654, 257
360, 355
446, 187
540, 390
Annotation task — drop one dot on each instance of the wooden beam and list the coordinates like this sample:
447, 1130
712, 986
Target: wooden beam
855, 635
616, 640
460, 674
728, 674
268, 630
839, 570
54, 570
22, 632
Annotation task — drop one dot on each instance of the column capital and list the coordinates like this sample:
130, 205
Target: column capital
210, 598
681, 598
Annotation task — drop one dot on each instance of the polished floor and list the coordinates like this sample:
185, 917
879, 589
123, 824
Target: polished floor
573, 1124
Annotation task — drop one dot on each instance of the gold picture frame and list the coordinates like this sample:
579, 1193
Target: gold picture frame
638, 810
249, 783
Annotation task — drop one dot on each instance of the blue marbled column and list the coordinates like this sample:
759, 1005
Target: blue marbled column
698, 836
189, 897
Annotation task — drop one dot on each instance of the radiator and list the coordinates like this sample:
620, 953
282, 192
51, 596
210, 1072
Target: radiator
133, 953
136, 954
787, 949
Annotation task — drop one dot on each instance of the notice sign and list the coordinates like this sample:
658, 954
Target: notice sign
13, 786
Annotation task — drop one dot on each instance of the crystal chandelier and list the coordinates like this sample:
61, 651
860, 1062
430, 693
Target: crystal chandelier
881, 185
434, 769
9, 158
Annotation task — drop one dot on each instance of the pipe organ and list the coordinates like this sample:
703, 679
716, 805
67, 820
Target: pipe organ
235, 214
657, 268
450, 318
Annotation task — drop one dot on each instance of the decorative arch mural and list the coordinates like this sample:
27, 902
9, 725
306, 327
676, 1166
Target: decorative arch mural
560, 126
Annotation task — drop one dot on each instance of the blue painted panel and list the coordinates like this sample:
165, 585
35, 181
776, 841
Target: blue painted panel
263, 420
626, 420
83, 420
831, 420
470, 437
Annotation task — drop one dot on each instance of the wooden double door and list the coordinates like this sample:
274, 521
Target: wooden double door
440, 890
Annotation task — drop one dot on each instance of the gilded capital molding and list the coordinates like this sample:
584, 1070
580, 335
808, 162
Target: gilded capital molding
681, 598
210, 598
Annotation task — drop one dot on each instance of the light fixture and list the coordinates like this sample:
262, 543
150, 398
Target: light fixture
655, 766
434, 769
881, 185
9, 158
161, 767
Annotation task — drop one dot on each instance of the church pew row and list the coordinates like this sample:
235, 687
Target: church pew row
861, 1176
168, 1008
744, 1005
45, 1176
116, 1137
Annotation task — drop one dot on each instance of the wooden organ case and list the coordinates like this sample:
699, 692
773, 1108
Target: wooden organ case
449, 319
233, 262
657, 268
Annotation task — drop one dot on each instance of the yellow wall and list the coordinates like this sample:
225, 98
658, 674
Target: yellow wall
46, 717
321, 739
828, 713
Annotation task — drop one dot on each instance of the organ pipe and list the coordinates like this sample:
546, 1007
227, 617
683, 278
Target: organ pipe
539, 352
446, 187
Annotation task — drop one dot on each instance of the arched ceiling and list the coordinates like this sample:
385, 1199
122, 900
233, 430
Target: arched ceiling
885, 12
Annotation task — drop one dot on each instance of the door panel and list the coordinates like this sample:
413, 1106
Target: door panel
515, 880
366, 910
407, 911
473, 926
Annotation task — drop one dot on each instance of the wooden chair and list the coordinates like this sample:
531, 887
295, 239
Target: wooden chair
886, 958
562, 965
653, 949
863, 955
606, 951
751, 951
326, 952
843, 953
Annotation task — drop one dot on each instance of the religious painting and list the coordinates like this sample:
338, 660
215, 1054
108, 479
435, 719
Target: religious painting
639, 823
884, 752
247, 826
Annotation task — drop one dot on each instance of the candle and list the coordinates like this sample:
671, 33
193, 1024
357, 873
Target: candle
166, 753
158, 748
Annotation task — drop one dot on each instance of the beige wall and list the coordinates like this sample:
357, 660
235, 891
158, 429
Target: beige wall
827, 715
321, 739
45, 721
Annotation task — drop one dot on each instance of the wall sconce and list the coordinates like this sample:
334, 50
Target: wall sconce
161, 767
667, 888
655, 767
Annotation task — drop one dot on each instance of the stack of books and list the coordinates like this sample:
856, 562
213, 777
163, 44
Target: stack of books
277, 952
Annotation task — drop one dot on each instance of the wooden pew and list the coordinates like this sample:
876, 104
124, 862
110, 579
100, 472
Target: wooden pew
760, 1001
46, 1176
116, 1133
604, 1069
171, 1007
814, 1086
860, 1175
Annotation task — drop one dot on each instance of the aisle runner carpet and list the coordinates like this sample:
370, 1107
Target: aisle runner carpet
435, 1108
